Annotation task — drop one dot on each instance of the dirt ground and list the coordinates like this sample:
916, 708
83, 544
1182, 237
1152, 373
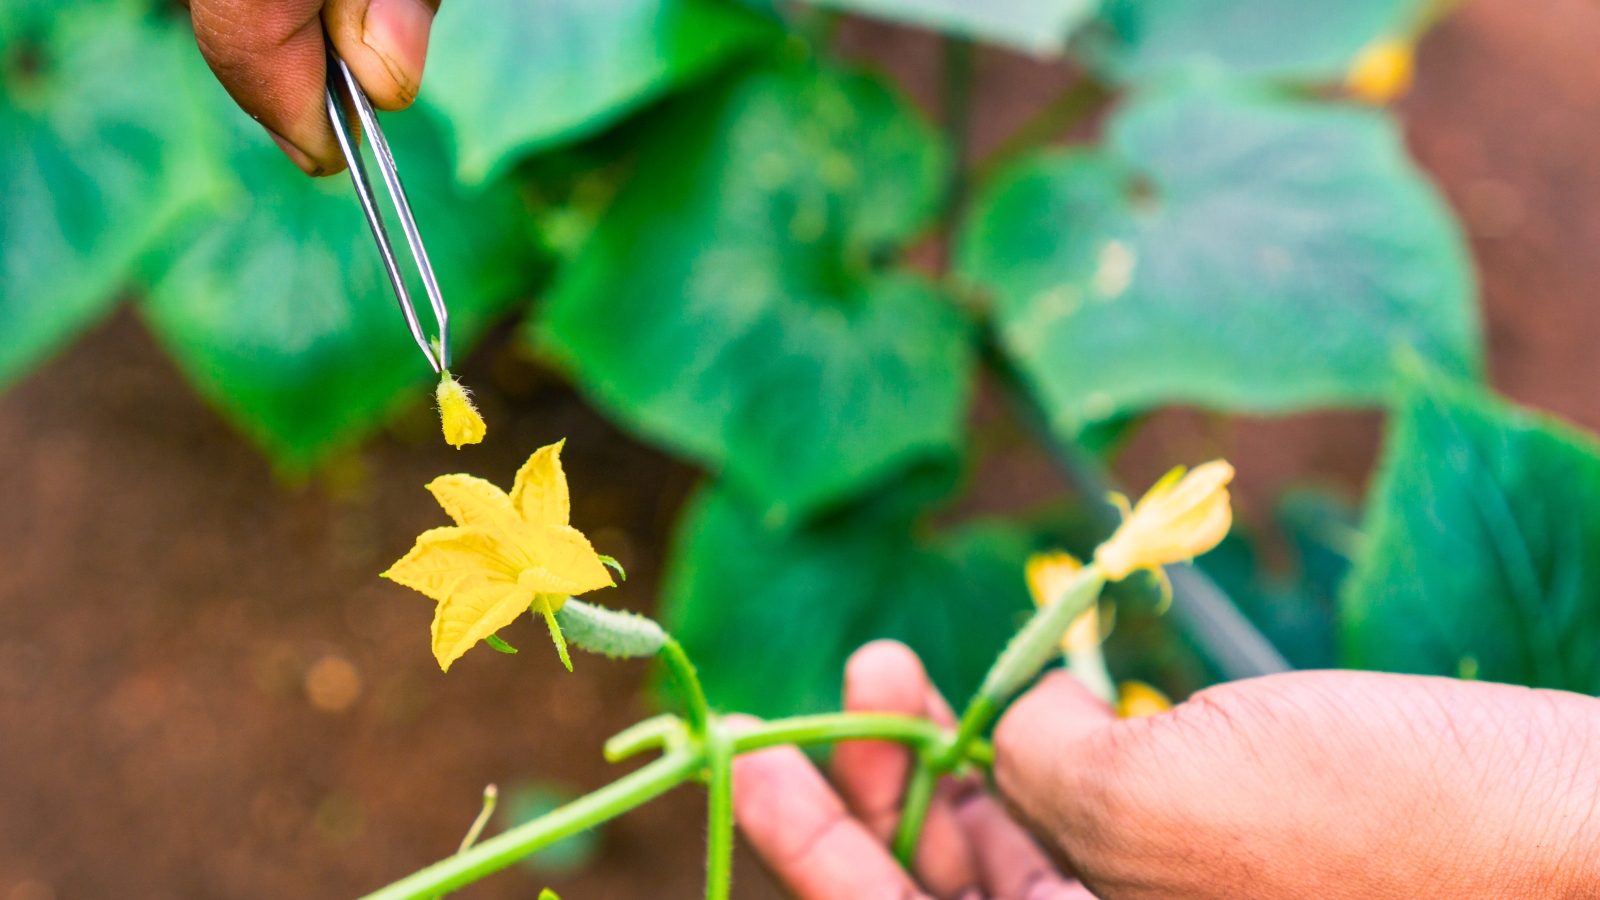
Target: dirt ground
205, 691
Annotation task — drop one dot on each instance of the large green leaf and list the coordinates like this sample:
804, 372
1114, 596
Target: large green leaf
1231, 250
278, 307
99, 155
512, 76
733, 304
769, 615
1483, 546
1040, 27
1297, 39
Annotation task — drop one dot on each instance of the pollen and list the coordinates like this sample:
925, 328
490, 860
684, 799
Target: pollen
462, 424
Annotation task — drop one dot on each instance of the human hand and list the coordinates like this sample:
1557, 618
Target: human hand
1314, 784
833, 846
270, 56
1318, 784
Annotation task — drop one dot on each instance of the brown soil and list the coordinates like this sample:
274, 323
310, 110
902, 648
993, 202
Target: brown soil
164, 602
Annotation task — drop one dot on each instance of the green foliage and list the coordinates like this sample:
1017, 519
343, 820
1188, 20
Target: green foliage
278, 308
1229, 249
513, 76
1298, 39
770, 615
1483, 534
738, 303
1040, 27
101, 150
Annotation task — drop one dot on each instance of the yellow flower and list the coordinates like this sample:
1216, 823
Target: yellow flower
1179, 518
1382, 70
462, 424
504, 556
1137, 700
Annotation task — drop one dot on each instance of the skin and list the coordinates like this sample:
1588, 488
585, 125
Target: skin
270, 56
1326, 785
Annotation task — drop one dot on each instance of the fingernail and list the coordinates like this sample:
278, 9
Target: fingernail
397, 30
296, 156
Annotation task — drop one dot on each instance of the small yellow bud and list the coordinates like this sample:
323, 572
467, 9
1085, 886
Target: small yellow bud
1180, 517
462, 424
1135, 700
1382, 70
1049, 574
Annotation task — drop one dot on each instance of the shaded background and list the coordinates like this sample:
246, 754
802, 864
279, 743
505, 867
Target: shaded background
205, 691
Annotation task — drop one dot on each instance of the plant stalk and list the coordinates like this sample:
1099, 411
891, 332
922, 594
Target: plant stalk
719, 813
586, 812
696, 712
919, 797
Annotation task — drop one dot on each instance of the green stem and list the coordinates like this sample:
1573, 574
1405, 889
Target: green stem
586, 812
1084, 97
689, 690
957, 108
919, 797
719, 813
834, 727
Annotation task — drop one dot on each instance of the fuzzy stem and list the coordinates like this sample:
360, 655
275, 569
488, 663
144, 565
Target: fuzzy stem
696, 712
719, 813
919, 797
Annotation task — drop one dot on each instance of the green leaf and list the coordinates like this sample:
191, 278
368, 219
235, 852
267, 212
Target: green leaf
512, 76
1292, 39
769, 616
1229, 250
100, 154
278, 307
1483, 554
498, 643
734, 305
1040, 27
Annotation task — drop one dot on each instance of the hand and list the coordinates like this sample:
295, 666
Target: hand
1329, 785
270, 56
1320, 784
833, 846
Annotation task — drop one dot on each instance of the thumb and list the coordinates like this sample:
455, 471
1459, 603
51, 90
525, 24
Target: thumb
385, 43
1048, 747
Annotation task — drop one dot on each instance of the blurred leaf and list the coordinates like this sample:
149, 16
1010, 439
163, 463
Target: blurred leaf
1295, 39
511, 76
278, 307
1484, 545
1228, 250
1040, 27
733, 305
100, 153
770, 616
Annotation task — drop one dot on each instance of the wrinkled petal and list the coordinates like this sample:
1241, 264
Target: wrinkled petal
540, 491
475, 503
443, 557
474, 610
1179, 519
566, 554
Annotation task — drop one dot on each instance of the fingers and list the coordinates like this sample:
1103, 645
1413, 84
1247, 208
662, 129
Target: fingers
886, 676
801, 829
1010, 865
270, 55
1047, 748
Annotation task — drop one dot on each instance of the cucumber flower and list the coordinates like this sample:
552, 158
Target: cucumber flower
504, 556
1181, 517
1382, 71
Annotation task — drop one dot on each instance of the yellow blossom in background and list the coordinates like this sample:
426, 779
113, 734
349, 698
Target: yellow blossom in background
504, 556
1382, 71
1181, 517
462, 424
1135, 700
1049, 574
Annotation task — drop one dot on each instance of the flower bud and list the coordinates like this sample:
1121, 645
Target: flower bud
1181, 517
1382, 71
462, 424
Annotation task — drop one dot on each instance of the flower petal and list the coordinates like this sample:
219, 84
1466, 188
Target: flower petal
443, 557
540, 492
565, 553
475, 610
475, 503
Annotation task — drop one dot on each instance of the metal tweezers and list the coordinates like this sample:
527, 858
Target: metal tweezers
339, 75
